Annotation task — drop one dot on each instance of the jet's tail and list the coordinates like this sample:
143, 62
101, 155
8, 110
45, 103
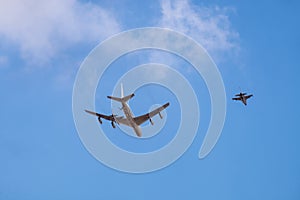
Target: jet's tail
122, 98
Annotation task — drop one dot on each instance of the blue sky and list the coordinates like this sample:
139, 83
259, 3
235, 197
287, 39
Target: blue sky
255, 46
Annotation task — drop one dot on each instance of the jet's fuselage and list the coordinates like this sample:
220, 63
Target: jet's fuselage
129, 115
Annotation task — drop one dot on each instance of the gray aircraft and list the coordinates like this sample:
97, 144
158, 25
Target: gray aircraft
129, 119
242, 97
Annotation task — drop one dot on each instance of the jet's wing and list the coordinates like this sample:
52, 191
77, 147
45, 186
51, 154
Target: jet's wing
107, 117
141, 119
247, 97
239, 98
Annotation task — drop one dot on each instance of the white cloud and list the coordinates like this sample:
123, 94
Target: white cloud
42, 29
210, 26
3, 61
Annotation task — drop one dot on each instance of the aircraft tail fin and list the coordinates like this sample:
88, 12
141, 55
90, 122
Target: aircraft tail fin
122, 98
122, 91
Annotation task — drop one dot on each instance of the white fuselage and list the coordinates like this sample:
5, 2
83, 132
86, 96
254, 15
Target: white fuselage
129, 115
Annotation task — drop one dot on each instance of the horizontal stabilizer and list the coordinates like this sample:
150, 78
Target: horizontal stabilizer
124, 99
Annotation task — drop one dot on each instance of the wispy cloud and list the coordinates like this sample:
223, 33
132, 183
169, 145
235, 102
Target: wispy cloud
210, 26
42, 29
3, 61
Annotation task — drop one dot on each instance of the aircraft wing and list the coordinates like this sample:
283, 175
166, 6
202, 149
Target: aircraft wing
107, 117
239, 98
141, 119
247, 97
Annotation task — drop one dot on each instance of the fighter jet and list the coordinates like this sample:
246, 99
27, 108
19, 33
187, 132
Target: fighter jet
129, 119
242, 97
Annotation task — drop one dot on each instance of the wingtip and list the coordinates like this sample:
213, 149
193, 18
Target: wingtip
90, 112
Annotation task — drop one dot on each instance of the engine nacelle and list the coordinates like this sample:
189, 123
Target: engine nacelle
99, 119
160, 115
151, 121
113, 124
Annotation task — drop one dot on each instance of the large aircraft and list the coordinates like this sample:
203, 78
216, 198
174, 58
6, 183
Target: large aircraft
242, 97
129, 119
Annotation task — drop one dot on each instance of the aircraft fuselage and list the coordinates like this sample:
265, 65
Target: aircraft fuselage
129, 115
244, 100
